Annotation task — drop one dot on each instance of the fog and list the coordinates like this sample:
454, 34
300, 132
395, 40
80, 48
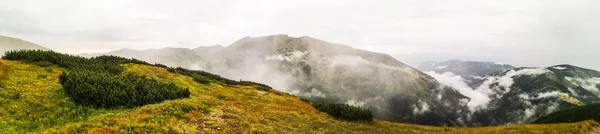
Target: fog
547, 32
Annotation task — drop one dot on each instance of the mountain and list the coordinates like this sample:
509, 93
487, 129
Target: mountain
45, 105
455, 93
9, 43
175, 57
501, 94
472, 71
524, 94
208, 50
327, 72
576, 114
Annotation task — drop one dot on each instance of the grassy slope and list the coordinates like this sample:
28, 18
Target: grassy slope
43, 107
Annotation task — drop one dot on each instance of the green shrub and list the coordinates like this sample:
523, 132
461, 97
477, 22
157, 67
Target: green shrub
42, 76
304, 100
160, 65
101, 89
259, 86
345, 111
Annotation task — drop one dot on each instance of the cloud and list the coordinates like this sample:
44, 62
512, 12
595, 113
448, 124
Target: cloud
506, 81
420, 109
590, 84
480, 96
478, 99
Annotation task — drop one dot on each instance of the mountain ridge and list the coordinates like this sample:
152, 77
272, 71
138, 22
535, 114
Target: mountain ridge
328, 72
11, 43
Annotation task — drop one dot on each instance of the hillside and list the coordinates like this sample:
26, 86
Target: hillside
9, 43
33, 100
576, 114
522, 95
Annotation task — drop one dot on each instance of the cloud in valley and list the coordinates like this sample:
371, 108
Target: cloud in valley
478, 99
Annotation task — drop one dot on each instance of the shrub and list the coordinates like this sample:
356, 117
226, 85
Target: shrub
160, 65
102, 89
345, 111
42, 76
259, 86
304, 100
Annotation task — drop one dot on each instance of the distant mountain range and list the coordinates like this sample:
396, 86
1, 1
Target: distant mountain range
9, 43
502, 94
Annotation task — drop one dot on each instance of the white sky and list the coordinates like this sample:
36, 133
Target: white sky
518, 32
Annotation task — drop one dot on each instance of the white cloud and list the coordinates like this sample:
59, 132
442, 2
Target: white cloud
478, 99
313, 93
420, 109
362, 103
590, 84
528, 113
293, 57
542, 95
559, 68
506, 81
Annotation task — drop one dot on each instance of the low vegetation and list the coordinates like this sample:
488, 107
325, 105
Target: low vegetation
345, 111
101, 89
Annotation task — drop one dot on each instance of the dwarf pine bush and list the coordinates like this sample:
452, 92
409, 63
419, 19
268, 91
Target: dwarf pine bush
345, 111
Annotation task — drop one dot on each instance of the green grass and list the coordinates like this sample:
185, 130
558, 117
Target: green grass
32, 104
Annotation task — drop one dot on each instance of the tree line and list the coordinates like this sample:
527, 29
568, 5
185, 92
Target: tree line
345, 111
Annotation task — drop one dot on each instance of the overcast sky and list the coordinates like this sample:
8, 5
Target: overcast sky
518, 32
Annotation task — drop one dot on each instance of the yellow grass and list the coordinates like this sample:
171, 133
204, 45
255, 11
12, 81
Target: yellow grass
210, 109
